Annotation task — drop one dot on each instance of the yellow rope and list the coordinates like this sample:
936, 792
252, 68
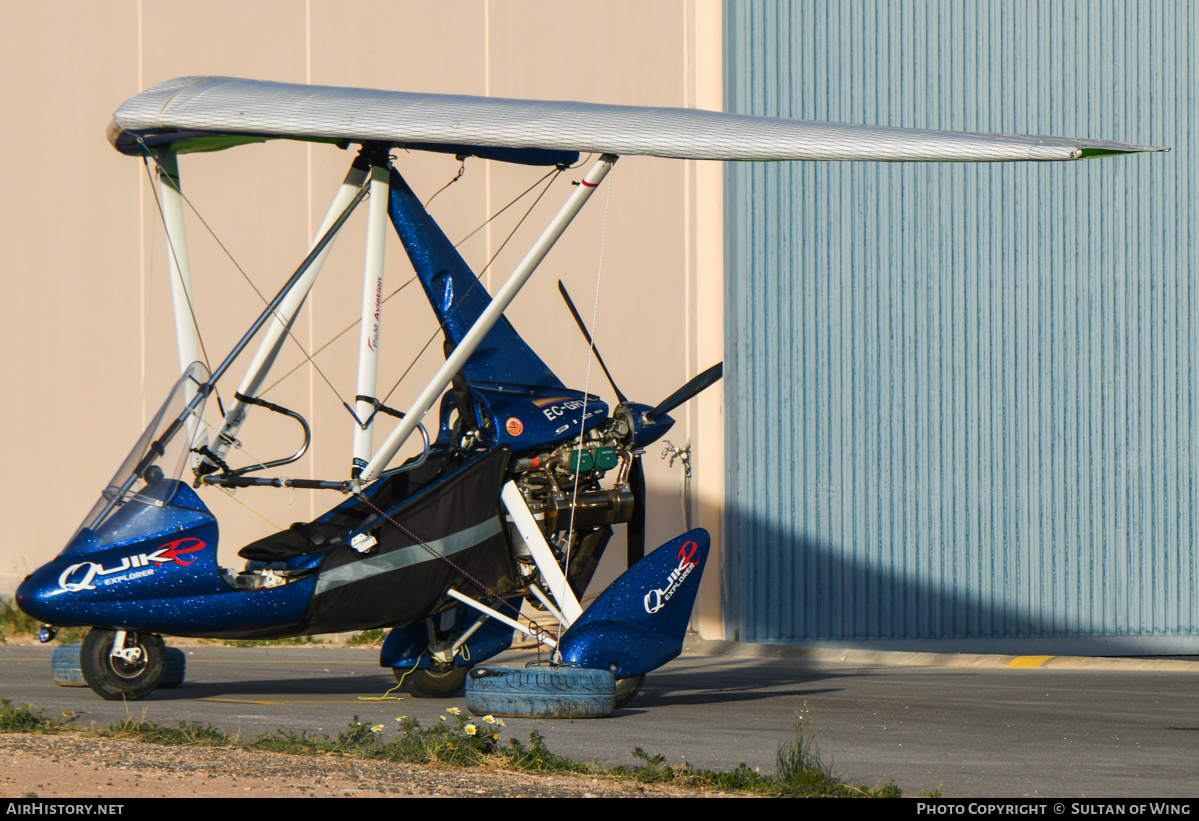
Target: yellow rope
399, 683
388, 695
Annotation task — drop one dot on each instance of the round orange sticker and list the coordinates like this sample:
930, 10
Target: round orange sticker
515, 426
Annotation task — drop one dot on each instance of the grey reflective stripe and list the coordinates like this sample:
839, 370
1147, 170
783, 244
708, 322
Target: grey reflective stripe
408, 556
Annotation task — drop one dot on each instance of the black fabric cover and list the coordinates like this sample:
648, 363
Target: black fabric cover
303, 538
298, 540
466, 498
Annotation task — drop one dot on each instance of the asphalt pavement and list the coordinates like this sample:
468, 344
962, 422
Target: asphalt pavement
973, 725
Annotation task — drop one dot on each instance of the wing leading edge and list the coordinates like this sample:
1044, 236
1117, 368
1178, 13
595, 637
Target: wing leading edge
210, 113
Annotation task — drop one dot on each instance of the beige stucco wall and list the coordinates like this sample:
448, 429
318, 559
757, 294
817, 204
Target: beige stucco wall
87, 338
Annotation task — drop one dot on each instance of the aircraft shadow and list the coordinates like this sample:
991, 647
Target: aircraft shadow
358, 685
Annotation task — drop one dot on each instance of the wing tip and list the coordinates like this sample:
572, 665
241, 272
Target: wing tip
1098, 152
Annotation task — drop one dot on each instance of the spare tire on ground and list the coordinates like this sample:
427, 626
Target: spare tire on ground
540, 692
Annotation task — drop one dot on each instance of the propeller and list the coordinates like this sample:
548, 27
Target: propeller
694, 386
636, 540
636, 526
579, 321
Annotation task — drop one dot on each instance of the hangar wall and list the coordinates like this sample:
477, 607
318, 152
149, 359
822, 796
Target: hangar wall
962, 400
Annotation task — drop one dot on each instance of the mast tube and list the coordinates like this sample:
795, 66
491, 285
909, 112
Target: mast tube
372, 304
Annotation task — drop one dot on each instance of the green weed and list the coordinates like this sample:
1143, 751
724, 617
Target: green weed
538, 758
290, 641
14, 622
366, 638
183, 735
289, 742
463, 741
800, 770
460, 741
24, 719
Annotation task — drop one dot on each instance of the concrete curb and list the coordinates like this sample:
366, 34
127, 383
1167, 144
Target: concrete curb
695, 646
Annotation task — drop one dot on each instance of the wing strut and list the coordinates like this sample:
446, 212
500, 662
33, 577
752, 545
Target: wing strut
285, 314
487, 319
187, 333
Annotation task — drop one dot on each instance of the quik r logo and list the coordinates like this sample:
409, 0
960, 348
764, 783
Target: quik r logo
82, 576
656, 599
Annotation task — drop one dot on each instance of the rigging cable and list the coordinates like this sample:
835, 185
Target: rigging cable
309, 358
461, 170
458, 244
149, 277
477, 283
240, 270
586, 387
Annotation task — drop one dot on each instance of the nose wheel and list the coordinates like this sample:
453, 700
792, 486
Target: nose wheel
127, 671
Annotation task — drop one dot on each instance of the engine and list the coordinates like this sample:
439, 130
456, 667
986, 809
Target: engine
563, 489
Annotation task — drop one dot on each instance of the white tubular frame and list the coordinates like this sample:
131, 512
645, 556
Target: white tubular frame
285, 316
527, 527
187, 333
486, 320
372, 303
543, 556
171, 197
513, 623
549, 605
568, 608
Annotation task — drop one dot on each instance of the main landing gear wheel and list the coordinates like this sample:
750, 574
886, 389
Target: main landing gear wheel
626, 688
430, 683
127, 678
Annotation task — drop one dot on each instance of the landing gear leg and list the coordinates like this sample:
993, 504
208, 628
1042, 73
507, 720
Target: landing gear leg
443, 679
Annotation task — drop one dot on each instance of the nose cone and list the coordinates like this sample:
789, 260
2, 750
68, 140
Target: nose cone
40, 596
25, 596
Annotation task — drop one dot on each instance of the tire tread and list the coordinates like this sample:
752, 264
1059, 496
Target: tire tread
518, 692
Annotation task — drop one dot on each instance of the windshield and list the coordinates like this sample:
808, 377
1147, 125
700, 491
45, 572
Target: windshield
149, 476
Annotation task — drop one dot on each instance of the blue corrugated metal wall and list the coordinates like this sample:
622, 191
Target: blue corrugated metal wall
962, 400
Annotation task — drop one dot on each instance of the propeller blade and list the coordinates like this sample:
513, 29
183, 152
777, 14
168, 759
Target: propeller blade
579, 321
704, 380
636, 545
